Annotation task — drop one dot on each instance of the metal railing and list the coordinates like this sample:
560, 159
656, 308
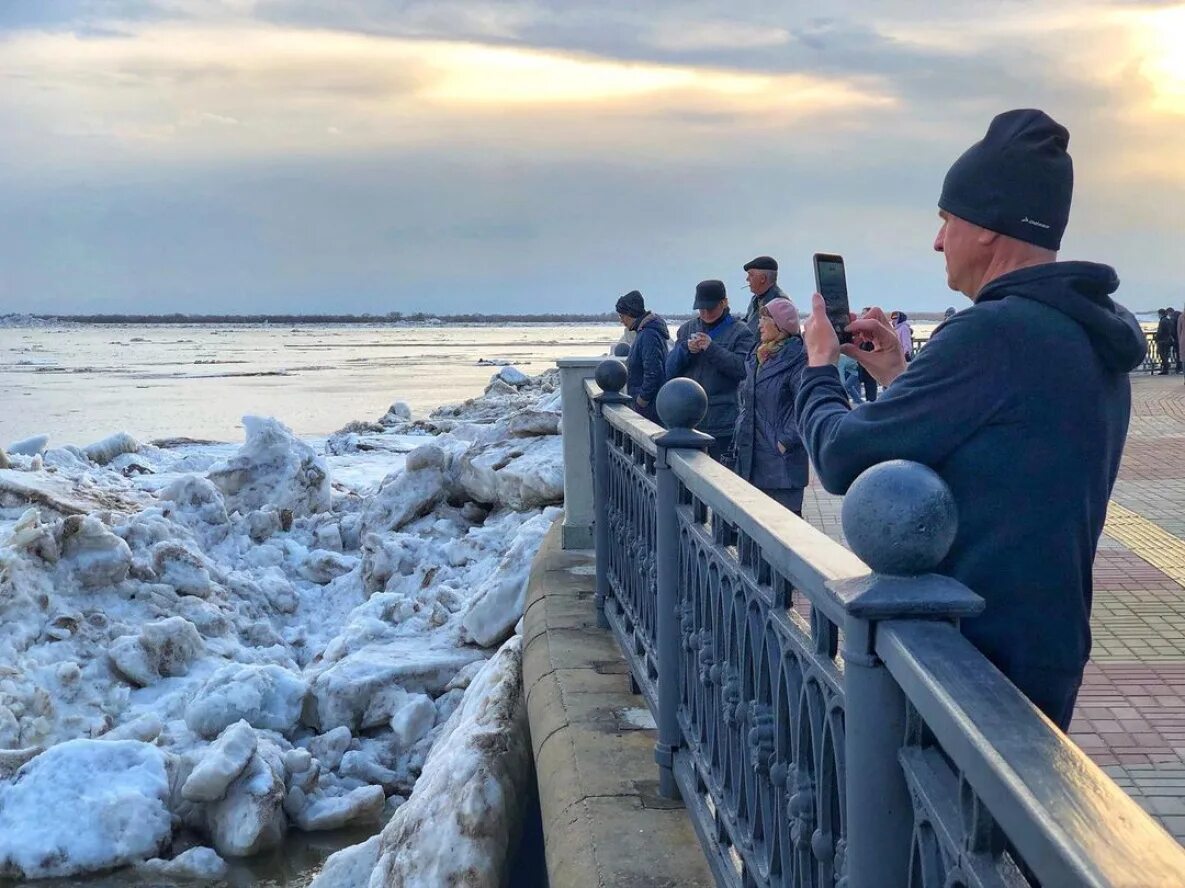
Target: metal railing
1150, 364
819, 714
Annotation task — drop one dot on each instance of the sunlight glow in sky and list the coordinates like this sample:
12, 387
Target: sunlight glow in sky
1162, 39
284, 155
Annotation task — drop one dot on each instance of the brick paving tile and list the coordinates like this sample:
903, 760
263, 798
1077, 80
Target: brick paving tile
1145, 459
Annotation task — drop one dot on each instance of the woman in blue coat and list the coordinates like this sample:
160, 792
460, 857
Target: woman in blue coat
769, 451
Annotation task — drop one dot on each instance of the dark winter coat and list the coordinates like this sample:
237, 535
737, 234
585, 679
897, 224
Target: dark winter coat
767, 417
753, 312
647, 363
719, 368
1030, 449
1165, 332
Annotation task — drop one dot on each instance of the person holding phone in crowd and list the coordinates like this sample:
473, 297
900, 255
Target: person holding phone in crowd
769, 453
712, 349
1030, 448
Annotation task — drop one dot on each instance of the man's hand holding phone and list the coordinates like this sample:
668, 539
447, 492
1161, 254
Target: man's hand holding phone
885, 361
819, 336
697, 342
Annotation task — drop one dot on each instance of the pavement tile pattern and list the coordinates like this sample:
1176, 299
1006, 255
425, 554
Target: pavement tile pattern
1130, 716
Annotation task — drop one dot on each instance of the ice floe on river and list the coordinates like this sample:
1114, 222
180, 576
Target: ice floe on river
204, 646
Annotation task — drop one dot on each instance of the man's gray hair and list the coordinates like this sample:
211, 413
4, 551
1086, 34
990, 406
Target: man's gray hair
771, 276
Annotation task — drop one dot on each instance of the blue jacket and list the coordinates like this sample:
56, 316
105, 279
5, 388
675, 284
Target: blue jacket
767, 417
647, 363
718, 368
1021, 403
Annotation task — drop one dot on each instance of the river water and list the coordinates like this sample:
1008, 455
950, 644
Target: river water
78, 384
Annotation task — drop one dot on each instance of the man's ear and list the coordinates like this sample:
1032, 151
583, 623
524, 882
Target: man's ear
986, 237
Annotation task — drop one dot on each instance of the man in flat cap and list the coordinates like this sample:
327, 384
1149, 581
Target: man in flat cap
712, 349
646, 365
761, 274
1030, 448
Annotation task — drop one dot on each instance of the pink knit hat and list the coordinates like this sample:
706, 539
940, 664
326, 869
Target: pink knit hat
785, 315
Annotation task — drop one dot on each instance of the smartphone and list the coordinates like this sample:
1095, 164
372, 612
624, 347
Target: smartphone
832, 284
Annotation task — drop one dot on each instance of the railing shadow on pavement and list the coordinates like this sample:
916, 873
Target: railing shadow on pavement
819, 713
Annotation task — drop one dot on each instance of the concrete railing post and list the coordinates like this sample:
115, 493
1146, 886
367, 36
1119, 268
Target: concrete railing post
578, 485
900, 518
681, 404
611, 377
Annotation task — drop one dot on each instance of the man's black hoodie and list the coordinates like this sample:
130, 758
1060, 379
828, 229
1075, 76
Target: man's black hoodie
1021, 403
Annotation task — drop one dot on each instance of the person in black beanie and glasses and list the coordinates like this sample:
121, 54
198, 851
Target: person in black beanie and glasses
1029, 447
647, 361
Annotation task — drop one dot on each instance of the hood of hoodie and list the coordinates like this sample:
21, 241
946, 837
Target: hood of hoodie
1081, 291
654, 324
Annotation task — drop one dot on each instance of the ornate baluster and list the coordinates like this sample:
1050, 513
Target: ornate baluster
611, 377
899, 517
681, 404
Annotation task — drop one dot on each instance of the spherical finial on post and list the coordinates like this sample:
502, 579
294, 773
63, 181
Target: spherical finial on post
900, 518
610, 375
621, 350
682, 403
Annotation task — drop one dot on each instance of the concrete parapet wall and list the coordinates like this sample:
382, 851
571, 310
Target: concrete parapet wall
604, 823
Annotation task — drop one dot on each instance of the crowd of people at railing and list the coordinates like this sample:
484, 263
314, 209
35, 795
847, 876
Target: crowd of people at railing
750, 369
1029, 448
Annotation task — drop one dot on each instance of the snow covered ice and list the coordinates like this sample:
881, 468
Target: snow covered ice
206, 646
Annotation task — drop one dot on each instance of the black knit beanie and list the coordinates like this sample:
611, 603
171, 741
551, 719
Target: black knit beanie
631, 304
1017, 181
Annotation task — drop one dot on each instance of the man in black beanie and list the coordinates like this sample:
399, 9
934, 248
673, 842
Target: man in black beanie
1030, 447
712, 349
647, 361
761, 275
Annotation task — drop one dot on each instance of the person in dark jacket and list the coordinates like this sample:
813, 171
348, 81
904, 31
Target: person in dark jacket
871, 388
761, 275
646, 365
1030, 448
1180, 318
1165, 333
769, 453
712, 349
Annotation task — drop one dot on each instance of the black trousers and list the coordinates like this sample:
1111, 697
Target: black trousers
869, 384
788, 497
721, 450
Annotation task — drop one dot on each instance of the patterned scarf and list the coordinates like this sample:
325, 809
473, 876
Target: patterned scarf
767, 350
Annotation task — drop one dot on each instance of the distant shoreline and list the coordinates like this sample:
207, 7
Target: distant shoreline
393, 318
418, 319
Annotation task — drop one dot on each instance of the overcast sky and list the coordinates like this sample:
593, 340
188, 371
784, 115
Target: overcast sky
446, 156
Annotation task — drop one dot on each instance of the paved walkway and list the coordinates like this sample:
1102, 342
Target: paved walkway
1131, 711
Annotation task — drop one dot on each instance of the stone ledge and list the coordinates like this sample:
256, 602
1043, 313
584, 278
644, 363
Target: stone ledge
604, 824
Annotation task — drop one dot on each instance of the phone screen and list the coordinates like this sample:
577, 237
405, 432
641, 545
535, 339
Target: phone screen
833, 287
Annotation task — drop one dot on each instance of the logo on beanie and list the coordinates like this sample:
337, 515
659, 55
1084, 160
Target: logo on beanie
1027, 221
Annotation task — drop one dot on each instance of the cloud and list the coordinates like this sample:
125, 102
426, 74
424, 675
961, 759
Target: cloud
539, 154
289, 87
674, 36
